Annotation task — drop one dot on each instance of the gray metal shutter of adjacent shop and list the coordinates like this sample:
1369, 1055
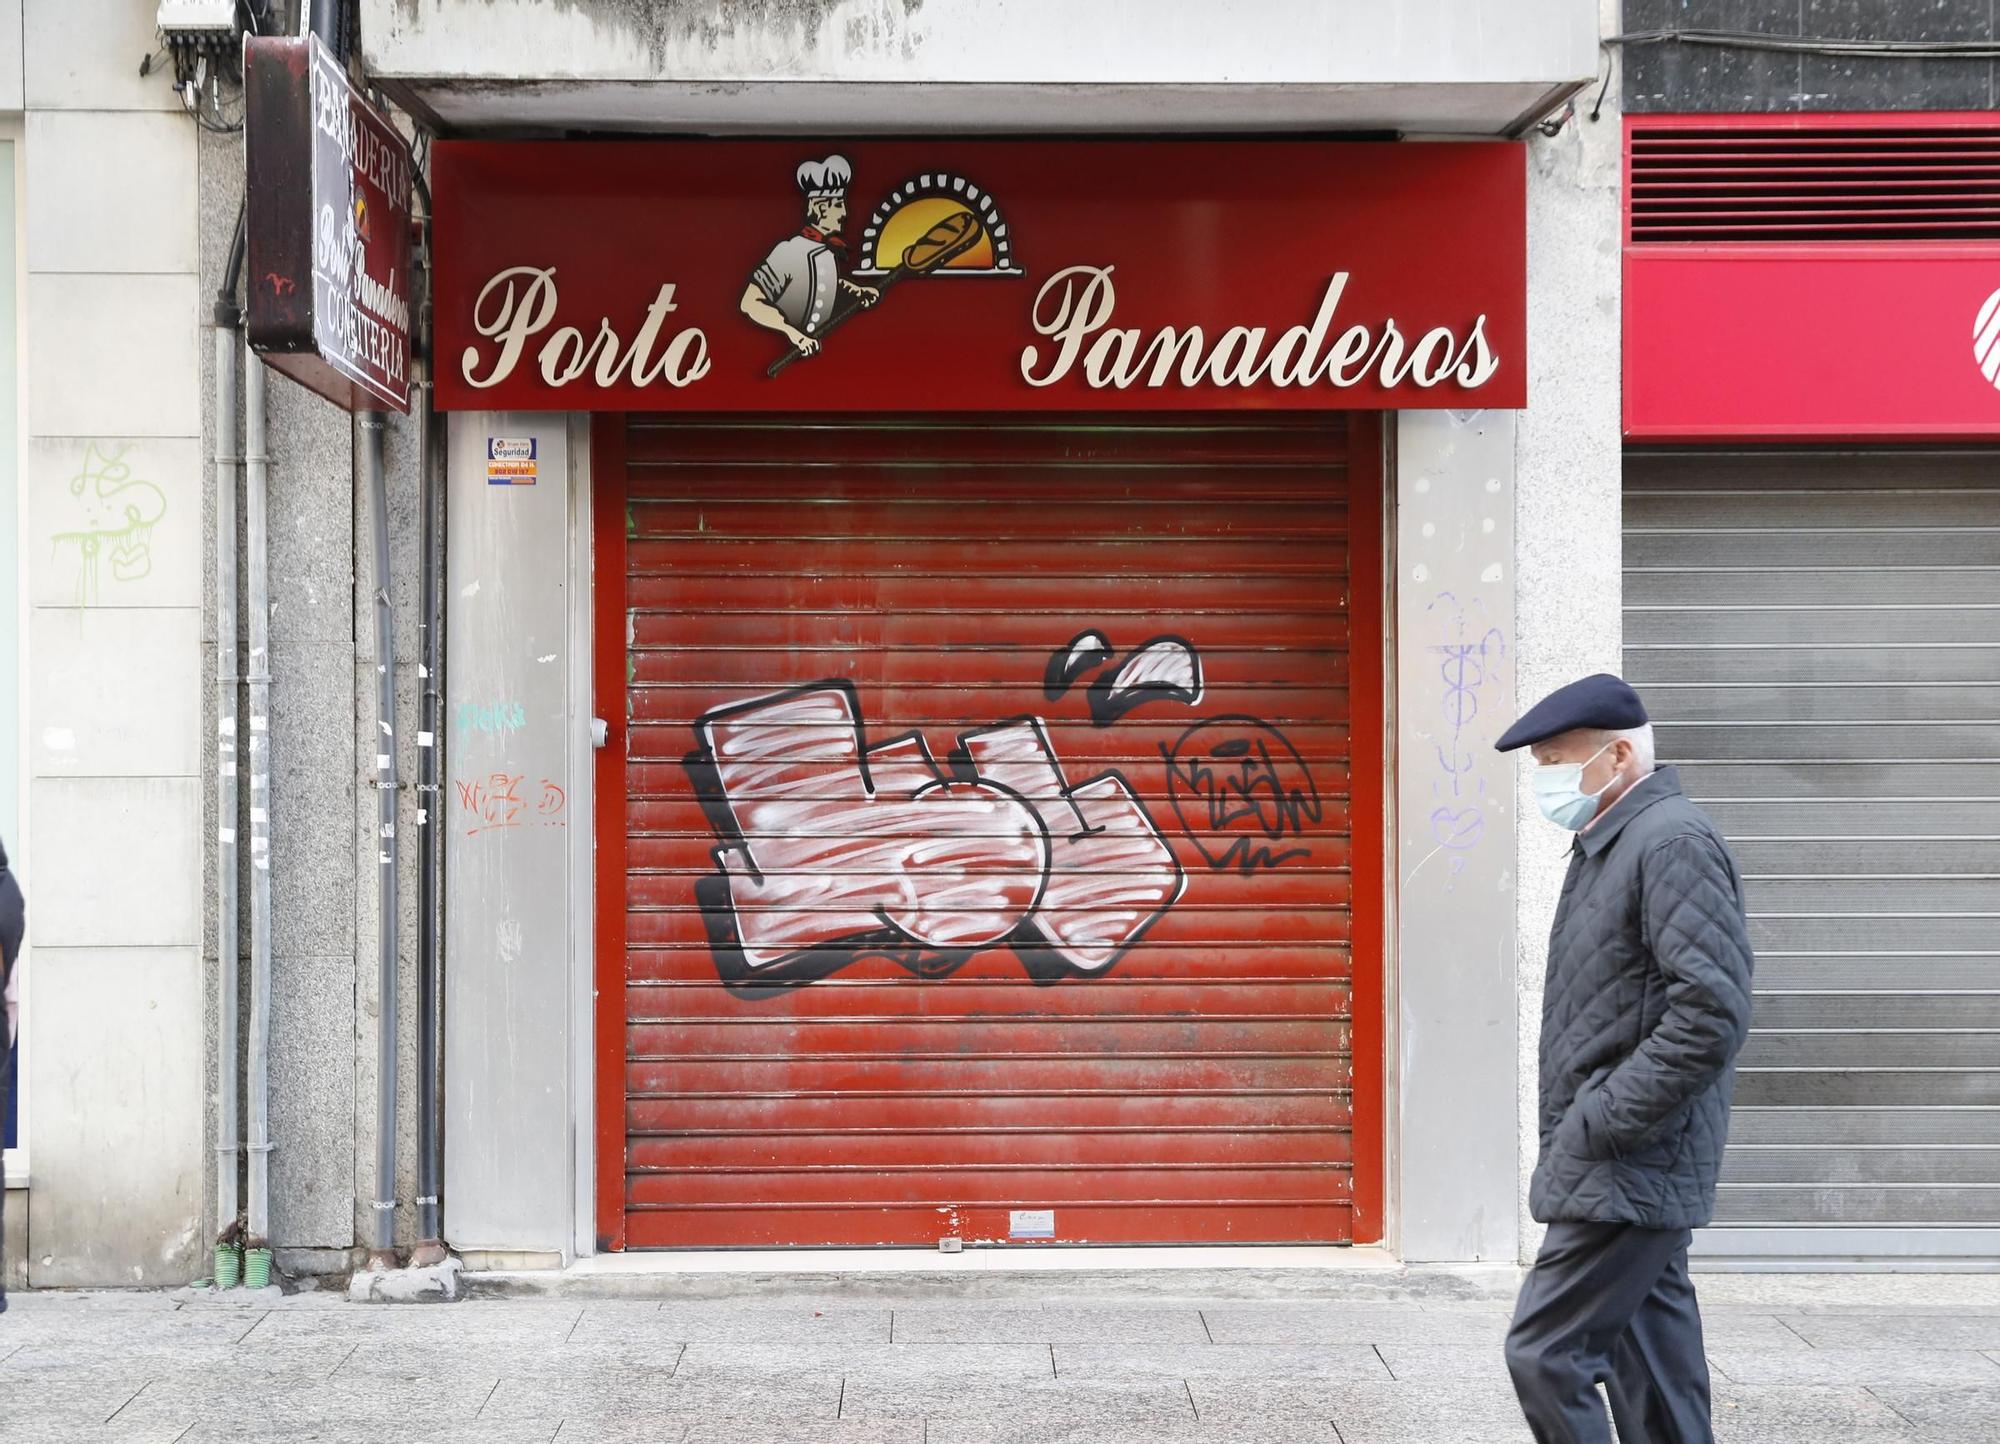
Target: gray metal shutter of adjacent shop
1817, 636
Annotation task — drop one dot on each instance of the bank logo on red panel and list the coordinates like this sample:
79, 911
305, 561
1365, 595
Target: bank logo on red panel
1986, 339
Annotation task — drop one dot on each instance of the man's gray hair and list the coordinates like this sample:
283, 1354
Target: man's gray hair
1641, 739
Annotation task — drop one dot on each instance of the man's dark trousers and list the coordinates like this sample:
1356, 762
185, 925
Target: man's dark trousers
1610, 1301
3, 1181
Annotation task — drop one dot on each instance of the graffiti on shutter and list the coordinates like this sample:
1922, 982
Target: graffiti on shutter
1240, 789
832, 849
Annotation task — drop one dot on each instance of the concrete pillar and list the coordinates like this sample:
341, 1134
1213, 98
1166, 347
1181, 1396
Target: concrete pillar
515, 806
1455, 985
1568, 467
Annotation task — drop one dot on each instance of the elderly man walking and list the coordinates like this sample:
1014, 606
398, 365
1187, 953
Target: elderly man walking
1646, 1005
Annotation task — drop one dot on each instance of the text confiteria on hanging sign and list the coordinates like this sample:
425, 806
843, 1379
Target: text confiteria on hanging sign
329, 181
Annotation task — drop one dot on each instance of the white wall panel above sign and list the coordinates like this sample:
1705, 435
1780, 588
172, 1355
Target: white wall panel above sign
1463, 66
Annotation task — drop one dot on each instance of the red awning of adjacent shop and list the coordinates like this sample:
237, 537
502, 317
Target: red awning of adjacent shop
1794, 277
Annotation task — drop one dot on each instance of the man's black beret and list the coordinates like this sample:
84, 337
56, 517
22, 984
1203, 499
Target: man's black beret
1601, 702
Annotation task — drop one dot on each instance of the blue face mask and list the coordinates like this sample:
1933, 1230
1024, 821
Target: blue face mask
1560, 795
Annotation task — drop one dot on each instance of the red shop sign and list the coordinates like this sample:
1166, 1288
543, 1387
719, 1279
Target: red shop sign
1843, 341
979, 275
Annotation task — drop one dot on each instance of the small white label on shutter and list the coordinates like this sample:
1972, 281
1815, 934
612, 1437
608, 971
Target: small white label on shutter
1031, 1223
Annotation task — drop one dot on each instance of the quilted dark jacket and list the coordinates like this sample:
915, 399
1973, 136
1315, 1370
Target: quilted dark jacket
1645, 1008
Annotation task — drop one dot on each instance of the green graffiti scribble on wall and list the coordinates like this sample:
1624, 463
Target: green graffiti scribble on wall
118, 512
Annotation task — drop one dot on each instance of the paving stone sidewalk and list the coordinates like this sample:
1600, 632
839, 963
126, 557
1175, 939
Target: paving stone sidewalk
1005, 1359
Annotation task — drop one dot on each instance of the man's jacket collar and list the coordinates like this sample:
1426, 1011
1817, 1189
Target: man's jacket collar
1665, 782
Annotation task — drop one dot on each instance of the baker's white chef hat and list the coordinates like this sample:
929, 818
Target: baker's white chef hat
822, 178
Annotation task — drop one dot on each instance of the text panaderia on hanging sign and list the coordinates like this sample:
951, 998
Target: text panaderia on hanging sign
329, 181
973, 276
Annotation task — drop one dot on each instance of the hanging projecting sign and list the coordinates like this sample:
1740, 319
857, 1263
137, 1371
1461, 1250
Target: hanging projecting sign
979, 275
328, 182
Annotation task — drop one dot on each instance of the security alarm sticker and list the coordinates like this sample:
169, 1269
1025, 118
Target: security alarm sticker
510, 461
1031, 1223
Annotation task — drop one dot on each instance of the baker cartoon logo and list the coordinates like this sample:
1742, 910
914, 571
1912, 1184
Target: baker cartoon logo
934, 224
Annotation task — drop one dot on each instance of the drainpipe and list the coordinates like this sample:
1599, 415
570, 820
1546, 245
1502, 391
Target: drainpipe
382, 1254
228, 1124
257, 601
430, 1248
323, 18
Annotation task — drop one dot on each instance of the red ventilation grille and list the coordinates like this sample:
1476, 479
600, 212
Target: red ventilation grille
1709, 180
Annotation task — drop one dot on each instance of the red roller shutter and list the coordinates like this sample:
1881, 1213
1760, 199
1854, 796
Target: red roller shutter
937, 917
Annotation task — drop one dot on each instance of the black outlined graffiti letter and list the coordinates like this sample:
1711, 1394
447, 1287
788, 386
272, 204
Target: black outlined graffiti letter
1241, 792
1111, 874
1086, 652
836, 844
1160, 669
831, 848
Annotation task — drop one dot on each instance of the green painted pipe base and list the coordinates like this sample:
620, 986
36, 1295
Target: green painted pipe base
256, 1268
228, 1266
